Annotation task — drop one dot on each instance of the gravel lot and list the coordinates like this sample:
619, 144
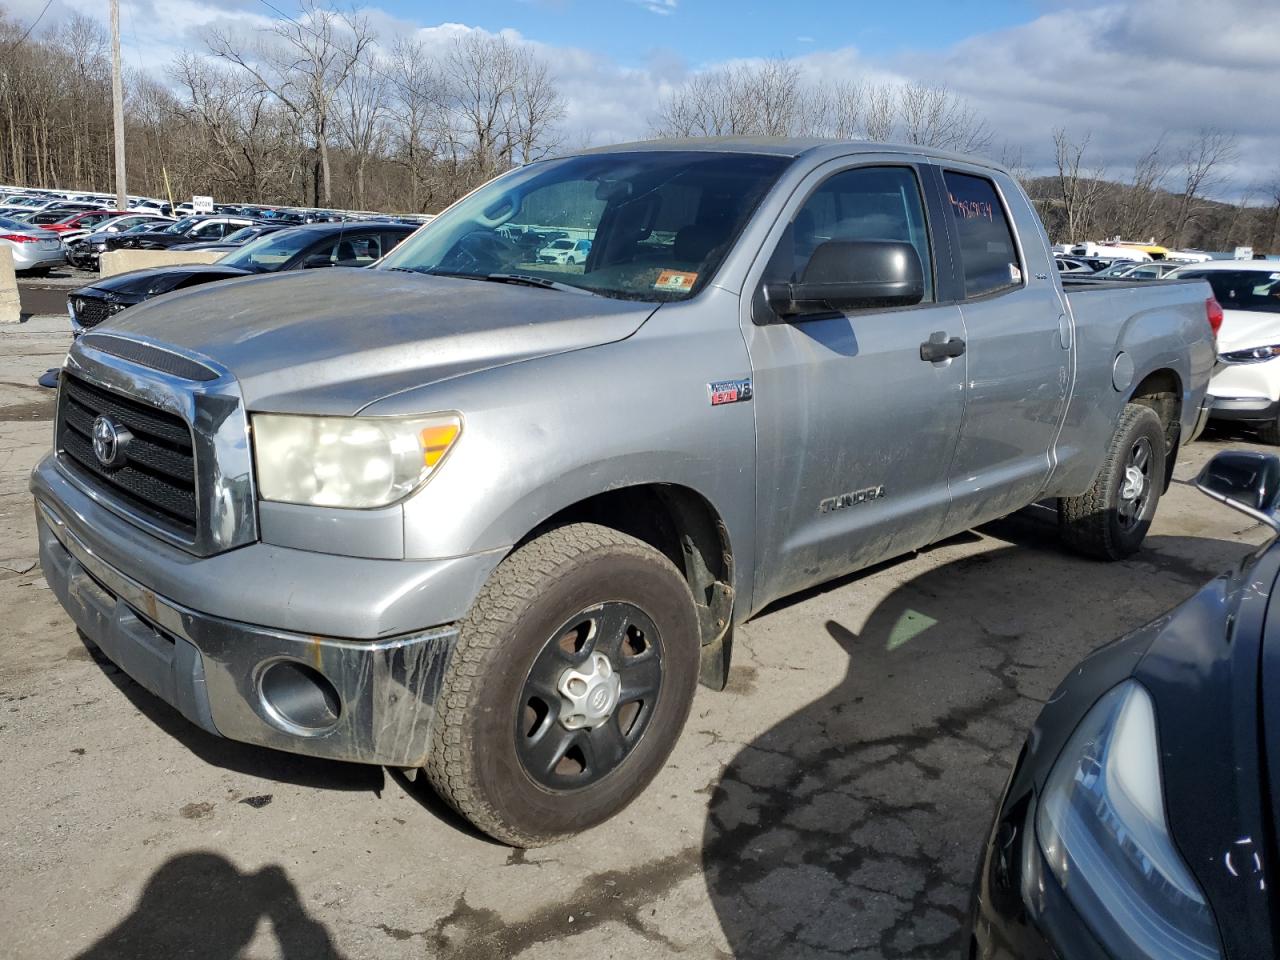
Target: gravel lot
831, 803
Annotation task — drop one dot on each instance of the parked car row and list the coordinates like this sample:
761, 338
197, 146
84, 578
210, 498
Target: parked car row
274, 250
88, 224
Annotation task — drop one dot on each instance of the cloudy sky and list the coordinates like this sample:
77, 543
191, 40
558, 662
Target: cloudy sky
1122, 70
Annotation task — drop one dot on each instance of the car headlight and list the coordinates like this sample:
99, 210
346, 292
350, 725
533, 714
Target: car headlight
1102, 828
1251, 355
357, 462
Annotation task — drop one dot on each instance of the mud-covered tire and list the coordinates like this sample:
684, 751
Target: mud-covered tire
476, 764
1094, 523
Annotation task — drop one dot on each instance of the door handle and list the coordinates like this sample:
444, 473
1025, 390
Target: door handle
933, 350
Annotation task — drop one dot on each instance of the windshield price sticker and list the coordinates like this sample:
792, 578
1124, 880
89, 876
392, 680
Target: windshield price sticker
676, 281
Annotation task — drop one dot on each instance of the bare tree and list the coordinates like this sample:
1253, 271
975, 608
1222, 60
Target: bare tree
417, 108
362, 111
303, 63
1078, 188
1202, 162
537, 110
932, 116
1143, 199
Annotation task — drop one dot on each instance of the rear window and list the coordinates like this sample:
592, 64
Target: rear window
988, 255
1256, 290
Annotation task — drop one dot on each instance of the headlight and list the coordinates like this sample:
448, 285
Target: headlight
348, 461
1102, 828
1252, 355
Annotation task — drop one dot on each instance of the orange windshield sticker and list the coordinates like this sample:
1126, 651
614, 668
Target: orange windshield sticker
675, 281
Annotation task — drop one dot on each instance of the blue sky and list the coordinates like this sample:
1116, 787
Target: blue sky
632, 31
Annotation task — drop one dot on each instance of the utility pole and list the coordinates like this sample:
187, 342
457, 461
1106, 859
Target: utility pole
117, 103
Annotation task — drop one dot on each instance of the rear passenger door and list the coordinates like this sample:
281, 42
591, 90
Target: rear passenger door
1019, 348
854, 430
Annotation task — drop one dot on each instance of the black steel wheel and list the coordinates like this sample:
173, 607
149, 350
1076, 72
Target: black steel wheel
589, 696
569, 686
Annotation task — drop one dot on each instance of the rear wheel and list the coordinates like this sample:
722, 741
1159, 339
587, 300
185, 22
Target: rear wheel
570, 684
1111, 520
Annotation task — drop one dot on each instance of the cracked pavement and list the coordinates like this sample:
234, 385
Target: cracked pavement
830, 803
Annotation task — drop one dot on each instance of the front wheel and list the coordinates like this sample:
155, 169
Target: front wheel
1111, 520
570, 684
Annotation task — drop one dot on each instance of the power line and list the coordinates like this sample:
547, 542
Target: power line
13, 46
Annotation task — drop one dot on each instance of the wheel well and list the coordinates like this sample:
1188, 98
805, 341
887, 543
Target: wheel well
682, 525
1162, 392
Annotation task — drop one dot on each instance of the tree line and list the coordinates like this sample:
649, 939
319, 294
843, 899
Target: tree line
311, 112
316, 111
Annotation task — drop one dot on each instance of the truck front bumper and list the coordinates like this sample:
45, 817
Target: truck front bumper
362, 700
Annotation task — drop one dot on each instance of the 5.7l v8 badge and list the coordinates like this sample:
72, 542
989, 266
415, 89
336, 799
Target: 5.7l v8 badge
729, 391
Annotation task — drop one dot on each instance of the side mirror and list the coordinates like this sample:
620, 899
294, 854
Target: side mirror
317, 260
1248, 481
851, 275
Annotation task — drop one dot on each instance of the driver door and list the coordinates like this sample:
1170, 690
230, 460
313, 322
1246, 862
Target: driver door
854, 431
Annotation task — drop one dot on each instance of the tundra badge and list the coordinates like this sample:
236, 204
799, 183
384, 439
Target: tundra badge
865, 495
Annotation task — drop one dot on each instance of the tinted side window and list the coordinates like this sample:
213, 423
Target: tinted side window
987, 251
866, 203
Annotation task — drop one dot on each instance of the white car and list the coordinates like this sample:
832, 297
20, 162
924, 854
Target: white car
565, 250
1245, 386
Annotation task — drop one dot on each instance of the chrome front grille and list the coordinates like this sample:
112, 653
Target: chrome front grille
185, 474
157, 473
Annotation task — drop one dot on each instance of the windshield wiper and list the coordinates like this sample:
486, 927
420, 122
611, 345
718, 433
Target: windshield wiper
521, 279
525, 280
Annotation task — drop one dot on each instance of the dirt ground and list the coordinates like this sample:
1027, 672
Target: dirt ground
831, 803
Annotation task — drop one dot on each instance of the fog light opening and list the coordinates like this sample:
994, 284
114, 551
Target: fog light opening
299, 698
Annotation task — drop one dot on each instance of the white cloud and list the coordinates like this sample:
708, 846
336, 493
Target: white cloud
1111, 68
661, 7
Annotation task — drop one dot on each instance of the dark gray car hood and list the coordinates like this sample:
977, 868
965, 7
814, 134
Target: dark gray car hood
333, 341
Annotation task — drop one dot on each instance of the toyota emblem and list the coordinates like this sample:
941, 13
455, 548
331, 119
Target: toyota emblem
109, 441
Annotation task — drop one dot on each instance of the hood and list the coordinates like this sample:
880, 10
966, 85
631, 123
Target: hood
140, 281
333, 341
1242, 329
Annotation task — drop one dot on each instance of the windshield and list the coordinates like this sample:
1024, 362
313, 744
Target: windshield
659, 223
241, 235
181, 226
270, 252
7, 223
1255, 290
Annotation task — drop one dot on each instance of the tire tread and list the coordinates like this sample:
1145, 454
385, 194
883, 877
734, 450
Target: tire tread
1084, 521
519, 580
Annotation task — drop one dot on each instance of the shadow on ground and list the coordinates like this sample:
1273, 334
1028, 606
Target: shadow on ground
199, 905
852, 828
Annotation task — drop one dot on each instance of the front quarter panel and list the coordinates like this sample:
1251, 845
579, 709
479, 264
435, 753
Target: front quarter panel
542, 435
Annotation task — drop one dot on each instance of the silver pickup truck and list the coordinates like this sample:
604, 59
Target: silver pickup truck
492, 512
